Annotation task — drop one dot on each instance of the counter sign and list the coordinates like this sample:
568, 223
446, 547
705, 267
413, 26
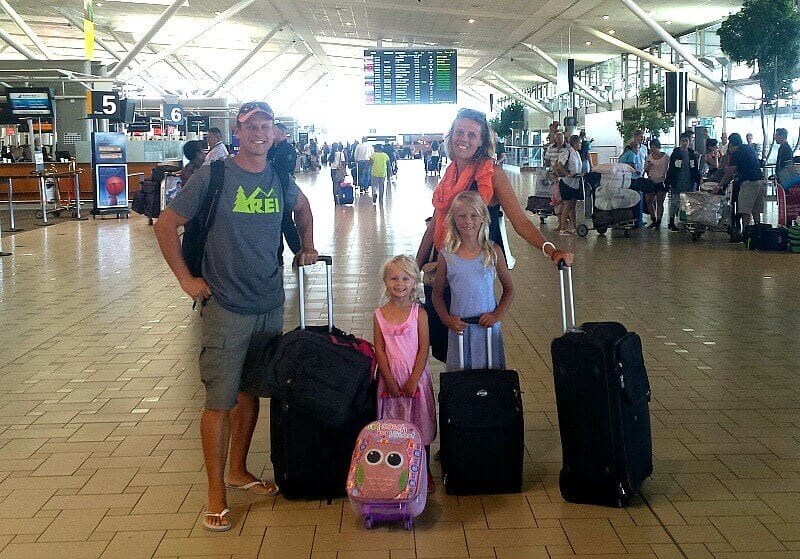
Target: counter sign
102, 104
172, 112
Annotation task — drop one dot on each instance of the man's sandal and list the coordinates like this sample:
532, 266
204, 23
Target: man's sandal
216, 527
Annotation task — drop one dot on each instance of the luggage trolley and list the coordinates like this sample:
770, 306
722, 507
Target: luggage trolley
539, 202
605, 218
703, 211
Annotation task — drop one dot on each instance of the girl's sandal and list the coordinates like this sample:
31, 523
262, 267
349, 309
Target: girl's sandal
216, 527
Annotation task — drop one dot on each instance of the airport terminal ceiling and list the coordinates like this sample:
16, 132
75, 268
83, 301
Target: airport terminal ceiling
313, 45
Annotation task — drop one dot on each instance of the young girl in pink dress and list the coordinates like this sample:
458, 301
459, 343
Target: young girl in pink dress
405, 388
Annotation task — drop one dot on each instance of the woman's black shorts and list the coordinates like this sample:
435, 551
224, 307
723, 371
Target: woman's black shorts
569, 193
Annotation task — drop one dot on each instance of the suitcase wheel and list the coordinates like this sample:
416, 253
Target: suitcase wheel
369, 522
408, 523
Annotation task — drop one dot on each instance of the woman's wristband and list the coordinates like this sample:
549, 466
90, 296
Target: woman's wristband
544, 247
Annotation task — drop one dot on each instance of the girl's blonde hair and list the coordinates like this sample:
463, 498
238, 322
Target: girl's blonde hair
408, 266
452, 240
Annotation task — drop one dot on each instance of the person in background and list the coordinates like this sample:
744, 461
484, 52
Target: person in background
641, 151
785, 151
194, 151
586, 146
557, 150
723, 144
326, 150
683, 175
630, 157
338, 165
656, 168
216, 147
552, 131
282, 154
711, 160
283, 158
749, 139
362, 155
388, 149
380, 165
751, 192
569, 186
500, 151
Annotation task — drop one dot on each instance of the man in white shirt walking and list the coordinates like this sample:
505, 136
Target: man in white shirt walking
216, 147
363, 156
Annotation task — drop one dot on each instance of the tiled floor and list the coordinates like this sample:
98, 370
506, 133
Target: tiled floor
100, 400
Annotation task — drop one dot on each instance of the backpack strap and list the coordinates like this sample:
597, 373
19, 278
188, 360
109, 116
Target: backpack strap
213, 193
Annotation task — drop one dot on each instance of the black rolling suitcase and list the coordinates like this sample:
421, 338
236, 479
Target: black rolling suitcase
603, 395
481, 430
323, 394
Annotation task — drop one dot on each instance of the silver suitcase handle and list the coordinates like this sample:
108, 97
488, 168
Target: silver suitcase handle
301, 290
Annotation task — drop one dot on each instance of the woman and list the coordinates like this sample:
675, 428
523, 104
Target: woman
711, 160
471, 152
683, 175
569, 187
470, 149
656, 168
629, 157
194, 151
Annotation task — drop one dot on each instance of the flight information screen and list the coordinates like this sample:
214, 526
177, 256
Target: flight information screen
408, 76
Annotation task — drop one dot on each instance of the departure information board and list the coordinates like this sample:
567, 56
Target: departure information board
408, 76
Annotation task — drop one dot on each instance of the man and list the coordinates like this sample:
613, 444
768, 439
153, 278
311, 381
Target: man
683, 175
216, 147
362, 155
380, 164
243, 288
750, 193
641, 151
282, 153
283, 157
785, 152
557, 151
749, 138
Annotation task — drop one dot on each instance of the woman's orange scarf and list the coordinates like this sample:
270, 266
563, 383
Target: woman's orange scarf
452, 184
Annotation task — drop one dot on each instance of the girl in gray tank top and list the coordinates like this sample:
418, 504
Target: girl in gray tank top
470, 263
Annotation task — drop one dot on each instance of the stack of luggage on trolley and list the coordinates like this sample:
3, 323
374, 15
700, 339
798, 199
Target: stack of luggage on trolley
328, 440
614, 204
705, 211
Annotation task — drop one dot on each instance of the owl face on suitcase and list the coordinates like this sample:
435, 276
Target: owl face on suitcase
388, 473
387, 461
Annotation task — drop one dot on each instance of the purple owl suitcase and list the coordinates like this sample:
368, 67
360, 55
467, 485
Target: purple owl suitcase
388, 478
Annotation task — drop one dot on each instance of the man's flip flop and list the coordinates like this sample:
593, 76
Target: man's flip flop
216, 527
249, 487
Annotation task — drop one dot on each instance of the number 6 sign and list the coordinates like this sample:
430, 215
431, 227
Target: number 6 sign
172, 112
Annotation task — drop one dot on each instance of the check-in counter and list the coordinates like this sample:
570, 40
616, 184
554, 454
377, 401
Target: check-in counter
27, 189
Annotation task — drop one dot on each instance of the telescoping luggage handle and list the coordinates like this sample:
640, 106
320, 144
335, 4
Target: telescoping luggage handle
564, 326
474, 320
329, 284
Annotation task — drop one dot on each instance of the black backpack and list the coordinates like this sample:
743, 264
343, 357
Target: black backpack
196, 229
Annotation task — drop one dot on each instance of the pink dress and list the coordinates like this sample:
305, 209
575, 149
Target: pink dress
402, 344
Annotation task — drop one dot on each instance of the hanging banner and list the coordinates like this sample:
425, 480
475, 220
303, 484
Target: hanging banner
88, 28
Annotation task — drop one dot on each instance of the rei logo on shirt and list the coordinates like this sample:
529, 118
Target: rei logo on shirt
258, 202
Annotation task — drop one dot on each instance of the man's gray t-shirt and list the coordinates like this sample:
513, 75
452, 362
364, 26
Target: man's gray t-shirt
241, 259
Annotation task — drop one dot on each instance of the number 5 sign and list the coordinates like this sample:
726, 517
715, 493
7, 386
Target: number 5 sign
102, 104
172, 112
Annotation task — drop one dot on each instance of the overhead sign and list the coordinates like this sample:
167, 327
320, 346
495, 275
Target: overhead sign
197, 123
172, 112
102, 104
